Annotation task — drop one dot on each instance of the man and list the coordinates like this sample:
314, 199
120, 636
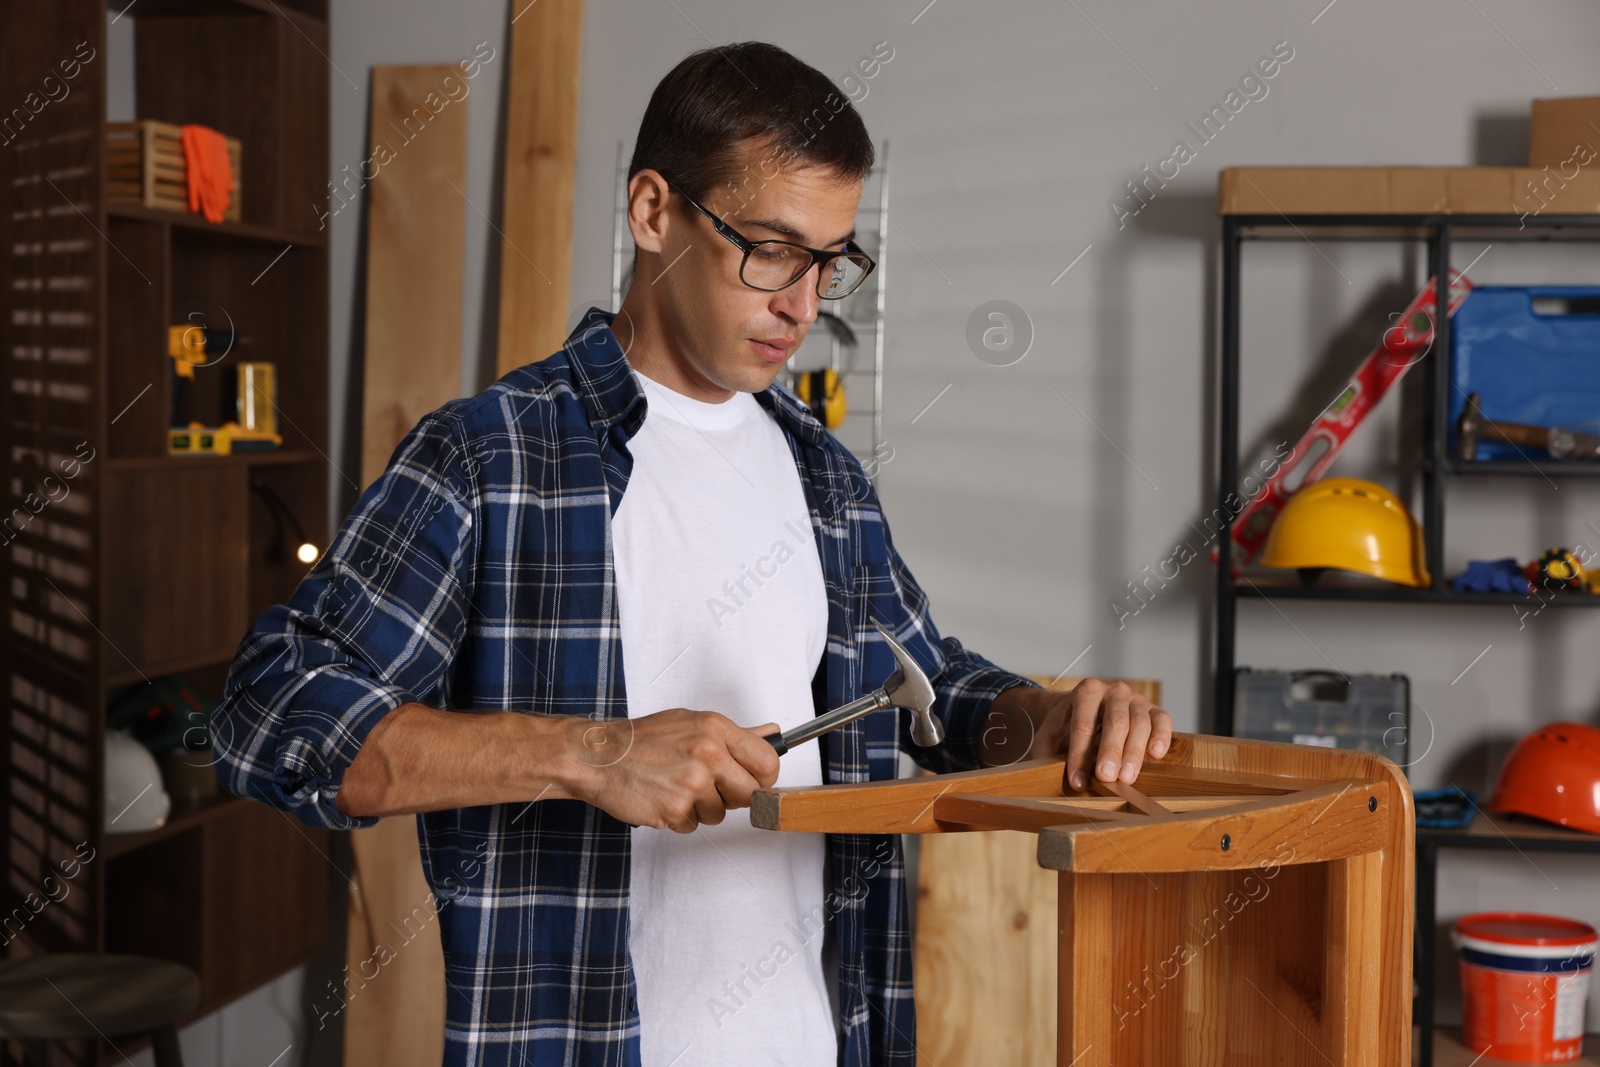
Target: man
459, 650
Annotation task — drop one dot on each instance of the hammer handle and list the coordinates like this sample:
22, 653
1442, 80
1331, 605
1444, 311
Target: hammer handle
873, 701
1517, 434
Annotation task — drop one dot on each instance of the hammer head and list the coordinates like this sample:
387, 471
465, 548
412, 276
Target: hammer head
908, 687
1468, 429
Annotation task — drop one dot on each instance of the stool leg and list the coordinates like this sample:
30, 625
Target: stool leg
164, 1043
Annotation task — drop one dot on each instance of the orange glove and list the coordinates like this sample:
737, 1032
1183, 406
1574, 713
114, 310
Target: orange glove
208, 170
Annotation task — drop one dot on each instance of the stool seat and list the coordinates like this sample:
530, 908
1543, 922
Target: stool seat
58, 996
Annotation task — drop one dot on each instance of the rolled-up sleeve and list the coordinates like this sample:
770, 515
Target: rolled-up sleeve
374, 625
965, 688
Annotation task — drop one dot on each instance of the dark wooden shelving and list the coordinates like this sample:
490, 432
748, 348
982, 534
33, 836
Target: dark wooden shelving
276, 458
307, 10
154, 564
180, 820
196, 227
132, 672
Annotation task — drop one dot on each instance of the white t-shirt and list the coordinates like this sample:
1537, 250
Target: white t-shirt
723, 608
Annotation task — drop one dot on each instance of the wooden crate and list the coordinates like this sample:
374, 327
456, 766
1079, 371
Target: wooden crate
144, 165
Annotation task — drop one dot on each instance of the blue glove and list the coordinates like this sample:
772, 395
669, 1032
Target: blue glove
1491, 576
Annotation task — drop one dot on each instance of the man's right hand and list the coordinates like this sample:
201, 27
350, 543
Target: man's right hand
676, 768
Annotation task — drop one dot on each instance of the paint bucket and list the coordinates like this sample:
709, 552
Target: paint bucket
1524, 984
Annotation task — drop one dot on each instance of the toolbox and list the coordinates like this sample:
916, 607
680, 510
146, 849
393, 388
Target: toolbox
1532, 353
1369, 712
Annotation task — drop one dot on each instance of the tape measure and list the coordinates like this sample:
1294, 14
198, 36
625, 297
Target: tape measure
1558, 568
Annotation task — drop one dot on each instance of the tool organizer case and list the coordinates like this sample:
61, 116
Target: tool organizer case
1532, 354
1369, 712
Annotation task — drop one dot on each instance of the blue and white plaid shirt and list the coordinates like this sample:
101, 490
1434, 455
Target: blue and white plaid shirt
475, 574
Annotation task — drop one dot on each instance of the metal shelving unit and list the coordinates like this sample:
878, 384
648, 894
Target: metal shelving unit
862, 311
1440, 232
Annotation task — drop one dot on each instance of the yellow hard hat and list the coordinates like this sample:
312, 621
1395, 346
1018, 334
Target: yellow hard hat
1351, 524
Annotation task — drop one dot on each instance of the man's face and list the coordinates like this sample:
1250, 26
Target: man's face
715, 323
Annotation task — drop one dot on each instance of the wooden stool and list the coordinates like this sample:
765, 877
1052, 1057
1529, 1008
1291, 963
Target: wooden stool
62, 996
1249, 902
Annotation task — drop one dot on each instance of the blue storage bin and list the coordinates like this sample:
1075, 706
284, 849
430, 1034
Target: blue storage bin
1532, 354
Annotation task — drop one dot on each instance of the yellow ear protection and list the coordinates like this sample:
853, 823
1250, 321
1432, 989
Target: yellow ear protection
823, 390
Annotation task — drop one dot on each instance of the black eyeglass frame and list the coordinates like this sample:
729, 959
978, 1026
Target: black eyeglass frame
745, 245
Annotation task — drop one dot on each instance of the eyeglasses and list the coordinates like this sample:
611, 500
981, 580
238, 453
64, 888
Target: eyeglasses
774, 265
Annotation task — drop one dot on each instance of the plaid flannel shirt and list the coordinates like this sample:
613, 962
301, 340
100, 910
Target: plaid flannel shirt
475, 574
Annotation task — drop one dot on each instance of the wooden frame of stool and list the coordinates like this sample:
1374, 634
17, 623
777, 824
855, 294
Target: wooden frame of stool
1248, 902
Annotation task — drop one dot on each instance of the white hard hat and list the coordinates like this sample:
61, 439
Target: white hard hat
135, 798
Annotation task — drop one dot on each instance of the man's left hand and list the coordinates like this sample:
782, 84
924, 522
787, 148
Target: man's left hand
1109, 722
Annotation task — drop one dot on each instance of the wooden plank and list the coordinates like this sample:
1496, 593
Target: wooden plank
1084, 969
1017, 813
896, 806
906, 807
416, 225
1355, 944
1136, 799
540, 171
985, 953
1251, 835
416, 228
393, 933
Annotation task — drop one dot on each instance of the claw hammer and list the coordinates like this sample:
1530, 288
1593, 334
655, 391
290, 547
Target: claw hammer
907, 687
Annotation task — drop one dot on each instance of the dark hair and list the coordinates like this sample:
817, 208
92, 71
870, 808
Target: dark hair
717, 99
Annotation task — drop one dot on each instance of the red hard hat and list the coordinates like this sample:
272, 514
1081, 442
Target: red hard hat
1554, 774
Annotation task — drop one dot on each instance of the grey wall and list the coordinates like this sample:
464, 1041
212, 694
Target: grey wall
1027, 496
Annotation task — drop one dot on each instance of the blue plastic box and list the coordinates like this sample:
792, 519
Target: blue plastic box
1532, 354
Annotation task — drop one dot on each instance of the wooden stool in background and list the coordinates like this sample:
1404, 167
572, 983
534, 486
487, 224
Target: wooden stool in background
71, 995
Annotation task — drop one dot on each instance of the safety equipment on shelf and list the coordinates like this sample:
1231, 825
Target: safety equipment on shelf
1350, 524
163, 713
135, 797
208, 172
1491, 576
823, 392
1557, 568
1554, 774
1400, 348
